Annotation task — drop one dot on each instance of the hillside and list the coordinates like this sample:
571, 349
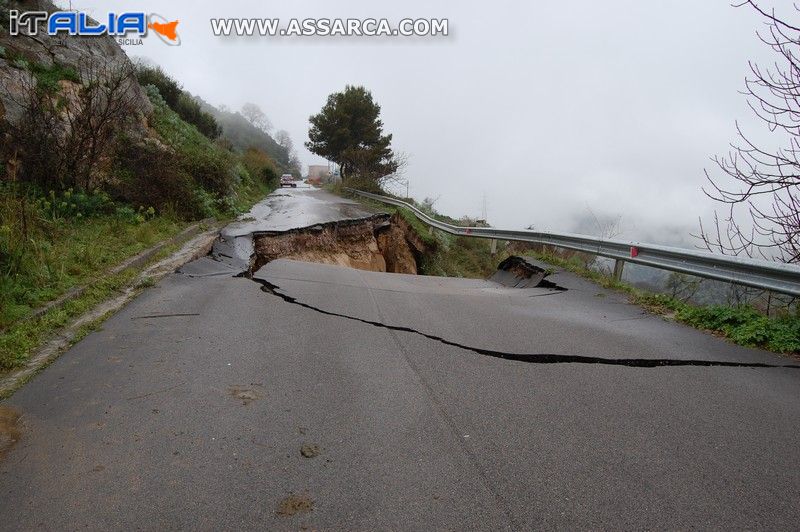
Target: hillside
243, 135
101, 158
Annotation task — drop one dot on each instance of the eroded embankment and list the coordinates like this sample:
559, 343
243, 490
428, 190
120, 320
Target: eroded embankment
380, 243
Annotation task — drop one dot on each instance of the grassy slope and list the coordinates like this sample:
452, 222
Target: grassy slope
22, 338
188, 141
60, 254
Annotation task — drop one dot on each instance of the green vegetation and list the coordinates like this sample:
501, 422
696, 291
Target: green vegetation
51, 243
348, 131
209, 165
47, 78
178, 100
458, 256
260, 166
74, 205
744, 325
199, 179
19, 341
241, 133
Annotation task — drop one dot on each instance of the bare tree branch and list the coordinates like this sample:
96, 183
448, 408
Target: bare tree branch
756, 183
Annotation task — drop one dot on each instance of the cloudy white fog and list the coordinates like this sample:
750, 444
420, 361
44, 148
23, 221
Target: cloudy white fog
552, 110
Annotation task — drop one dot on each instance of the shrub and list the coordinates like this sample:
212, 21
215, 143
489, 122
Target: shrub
206, 203
178, 100
260, 165
212, 169
74, 204
168, 88
189, 110
148, 176
746, 326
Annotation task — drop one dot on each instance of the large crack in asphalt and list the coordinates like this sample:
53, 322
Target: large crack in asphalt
534, 358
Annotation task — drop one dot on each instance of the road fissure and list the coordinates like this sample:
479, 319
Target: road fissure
535, 358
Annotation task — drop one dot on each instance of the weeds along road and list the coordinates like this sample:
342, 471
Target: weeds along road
321, 396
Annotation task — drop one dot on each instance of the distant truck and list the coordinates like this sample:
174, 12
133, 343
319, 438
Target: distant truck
287, 180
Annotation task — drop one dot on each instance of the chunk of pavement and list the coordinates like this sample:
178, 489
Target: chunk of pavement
520, 272
310, 450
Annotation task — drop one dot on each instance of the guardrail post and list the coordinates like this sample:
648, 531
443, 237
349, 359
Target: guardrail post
430, 230
494, 247
619, 264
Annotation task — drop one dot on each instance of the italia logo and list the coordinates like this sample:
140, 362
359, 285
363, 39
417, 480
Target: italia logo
128, 27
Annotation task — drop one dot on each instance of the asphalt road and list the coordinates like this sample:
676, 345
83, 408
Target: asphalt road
193, 406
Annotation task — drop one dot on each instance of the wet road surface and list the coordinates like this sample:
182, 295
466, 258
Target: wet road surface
323, 397
283, 210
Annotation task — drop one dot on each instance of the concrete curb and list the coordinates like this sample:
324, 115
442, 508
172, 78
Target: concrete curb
194, 248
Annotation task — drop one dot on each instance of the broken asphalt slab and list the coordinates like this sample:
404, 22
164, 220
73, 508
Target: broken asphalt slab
506, 318
282, 211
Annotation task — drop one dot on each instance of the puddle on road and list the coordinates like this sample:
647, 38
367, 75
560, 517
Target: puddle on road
9, 429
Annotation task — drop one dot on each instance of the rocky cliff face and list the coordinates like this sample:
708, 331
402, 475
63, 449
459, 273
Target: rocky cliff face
22, 55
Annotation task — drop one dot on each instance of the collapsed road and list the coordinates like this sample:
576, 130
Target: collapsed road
255, 389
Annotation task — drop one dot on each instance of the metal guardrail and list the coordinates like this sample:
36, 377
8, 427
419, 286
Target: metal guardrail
775, 276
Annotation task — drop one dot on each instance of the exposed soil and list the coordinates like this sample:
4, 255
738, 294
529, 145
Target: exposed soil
295, 504
394, 247
379, 243
9, 429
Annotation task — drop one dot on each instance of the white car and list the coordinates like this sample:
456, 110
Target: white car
287, 180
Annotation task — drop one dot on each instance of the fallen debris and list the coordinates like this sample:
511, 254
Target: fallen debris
9, 429
520, 272
310, 450
245, 395
295, 504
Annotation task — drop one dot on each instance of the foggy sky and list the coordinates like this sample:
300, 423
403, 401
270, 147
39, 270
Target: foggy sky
553, 110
